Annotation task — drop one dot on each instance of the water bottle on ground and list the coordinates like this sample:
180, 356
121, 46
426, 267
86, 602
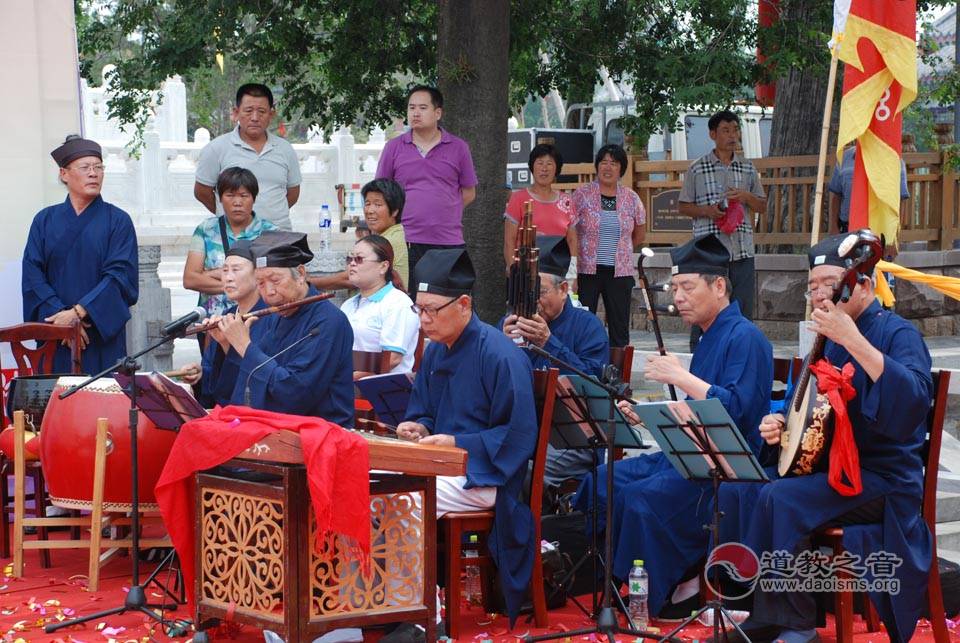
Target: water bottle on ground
472, 593
639, 590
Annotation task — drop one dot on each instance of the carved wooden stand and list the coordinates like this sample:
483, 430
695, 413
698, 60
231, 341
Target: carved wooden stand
257, 563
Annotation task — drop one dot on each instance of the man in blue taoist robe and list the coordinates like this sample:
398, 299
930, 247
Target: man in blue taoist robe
302, 360
221, 363
658, 515
891, 377
573, 335
475, 391
80, 262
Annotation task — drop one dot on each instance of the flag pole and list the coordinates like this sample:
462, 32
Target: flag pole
822, 158
824, 139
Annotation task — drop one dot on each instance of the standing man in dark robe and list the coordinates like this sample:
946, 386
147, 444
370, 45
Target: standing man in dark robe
894, 388
475, 391
658, 516
574, 335
80, 262
313, 377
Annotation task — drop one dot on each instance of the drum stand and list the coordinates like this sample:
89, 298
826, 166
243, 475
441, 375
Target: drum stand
136, 599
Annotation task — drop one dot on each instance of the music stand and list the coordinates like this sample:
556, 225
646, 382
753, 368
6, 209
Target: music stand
136, 597
576, 424
709, 449
389, 394
613, 390
168, 404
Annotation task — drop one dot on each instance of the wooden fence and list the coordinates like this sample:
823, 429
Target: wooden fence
931, 214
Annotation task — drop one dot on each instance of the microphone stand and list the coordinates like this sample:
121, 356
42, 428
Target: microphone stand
606, 620
136, 599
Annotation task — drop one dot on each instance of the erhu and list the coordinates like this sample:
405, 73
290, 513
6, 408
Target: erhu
647, 289
523, 284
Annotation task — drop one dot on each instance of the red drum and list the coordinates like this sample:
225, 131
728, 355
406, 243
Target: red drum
68, 446
31, 444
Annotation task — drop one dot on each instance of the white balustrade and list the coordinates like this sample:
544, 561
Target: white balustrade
155, 186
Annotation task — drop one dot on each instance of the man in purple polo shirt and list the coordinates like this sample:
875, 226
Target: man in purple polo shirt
436, 171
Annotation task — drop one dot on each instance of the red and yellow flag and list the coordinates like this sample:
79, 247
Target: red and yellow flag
878, 45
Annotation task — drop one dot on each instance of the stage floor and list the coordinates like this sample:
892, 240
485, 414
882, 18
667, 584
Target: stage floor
59, 592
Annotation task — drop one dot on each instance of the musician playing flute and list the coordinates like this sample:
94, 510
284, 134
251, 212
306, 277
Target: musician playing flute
658, 516
891, 376
574, 335
220, 363
313, 377
475, 391
80, 262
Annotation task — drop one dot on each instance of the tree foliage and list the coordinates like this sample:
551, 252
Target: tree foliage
350, 61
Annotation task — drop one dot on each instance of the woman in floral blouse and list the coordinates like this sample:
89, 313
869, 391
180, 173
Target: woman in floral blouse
610, 224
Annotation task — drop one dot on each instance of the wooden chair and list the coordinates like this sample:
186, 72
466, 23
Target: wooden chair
455, 525
375, 362
833, 536
418, 355
622, 358
36, 361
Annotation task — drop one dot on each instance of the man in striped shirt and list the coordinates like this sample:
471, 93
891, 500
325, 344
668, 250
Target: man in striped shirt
716, 182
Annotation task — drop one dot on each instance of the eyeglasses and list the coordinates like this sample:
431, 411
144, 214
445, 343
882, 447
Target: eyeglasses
430, 312
85, 169
827, 287
358, 259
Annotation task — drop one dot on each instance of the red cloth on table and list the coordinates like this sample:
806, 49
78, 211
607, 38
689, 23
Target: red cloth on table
337, 463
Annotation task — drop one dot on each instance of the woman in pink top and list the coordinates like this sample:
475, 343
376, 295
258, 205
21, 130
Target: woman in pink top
552, 209
610, 224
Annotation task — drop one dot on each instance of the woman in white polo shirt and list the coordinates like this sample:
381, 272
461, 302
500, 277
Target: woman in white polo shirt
380, 313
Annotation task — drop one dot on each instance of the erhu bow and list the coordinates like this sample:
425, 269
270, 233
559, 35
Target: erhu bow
647, 290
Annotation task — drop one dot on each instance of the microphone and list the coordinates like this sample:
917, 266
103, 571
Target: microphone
668, 309
177, 326
313, 332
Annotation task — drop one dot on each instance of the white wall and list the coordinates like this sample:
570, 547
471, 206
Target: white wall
41, 106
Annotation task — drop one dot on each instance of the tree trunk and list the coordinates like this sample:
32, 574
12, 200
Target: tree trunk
798, 114
473, 44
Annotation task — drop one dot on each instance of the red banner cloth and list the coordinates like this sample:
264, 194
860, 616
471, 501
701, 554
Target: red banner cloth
837, 385
337, 463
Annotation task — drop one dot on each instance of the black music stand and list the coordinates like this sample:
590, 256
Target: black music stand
577, 425
168, 405
389, 394
613, 390
709, 449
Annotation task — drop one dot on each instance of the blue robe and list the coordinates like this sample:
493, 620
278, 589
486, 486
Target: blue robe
889, 426
89, 260
220, 369
578, 337
657, 515
480, 391
315, 378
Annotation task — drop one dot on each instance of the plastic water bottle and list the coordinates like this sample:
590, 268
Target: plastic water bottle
325, 223
639, 589
472, 588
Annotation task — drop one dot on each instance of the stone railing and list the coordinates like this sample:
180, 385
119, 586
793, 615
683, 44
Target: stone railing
156, 189
156, 185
